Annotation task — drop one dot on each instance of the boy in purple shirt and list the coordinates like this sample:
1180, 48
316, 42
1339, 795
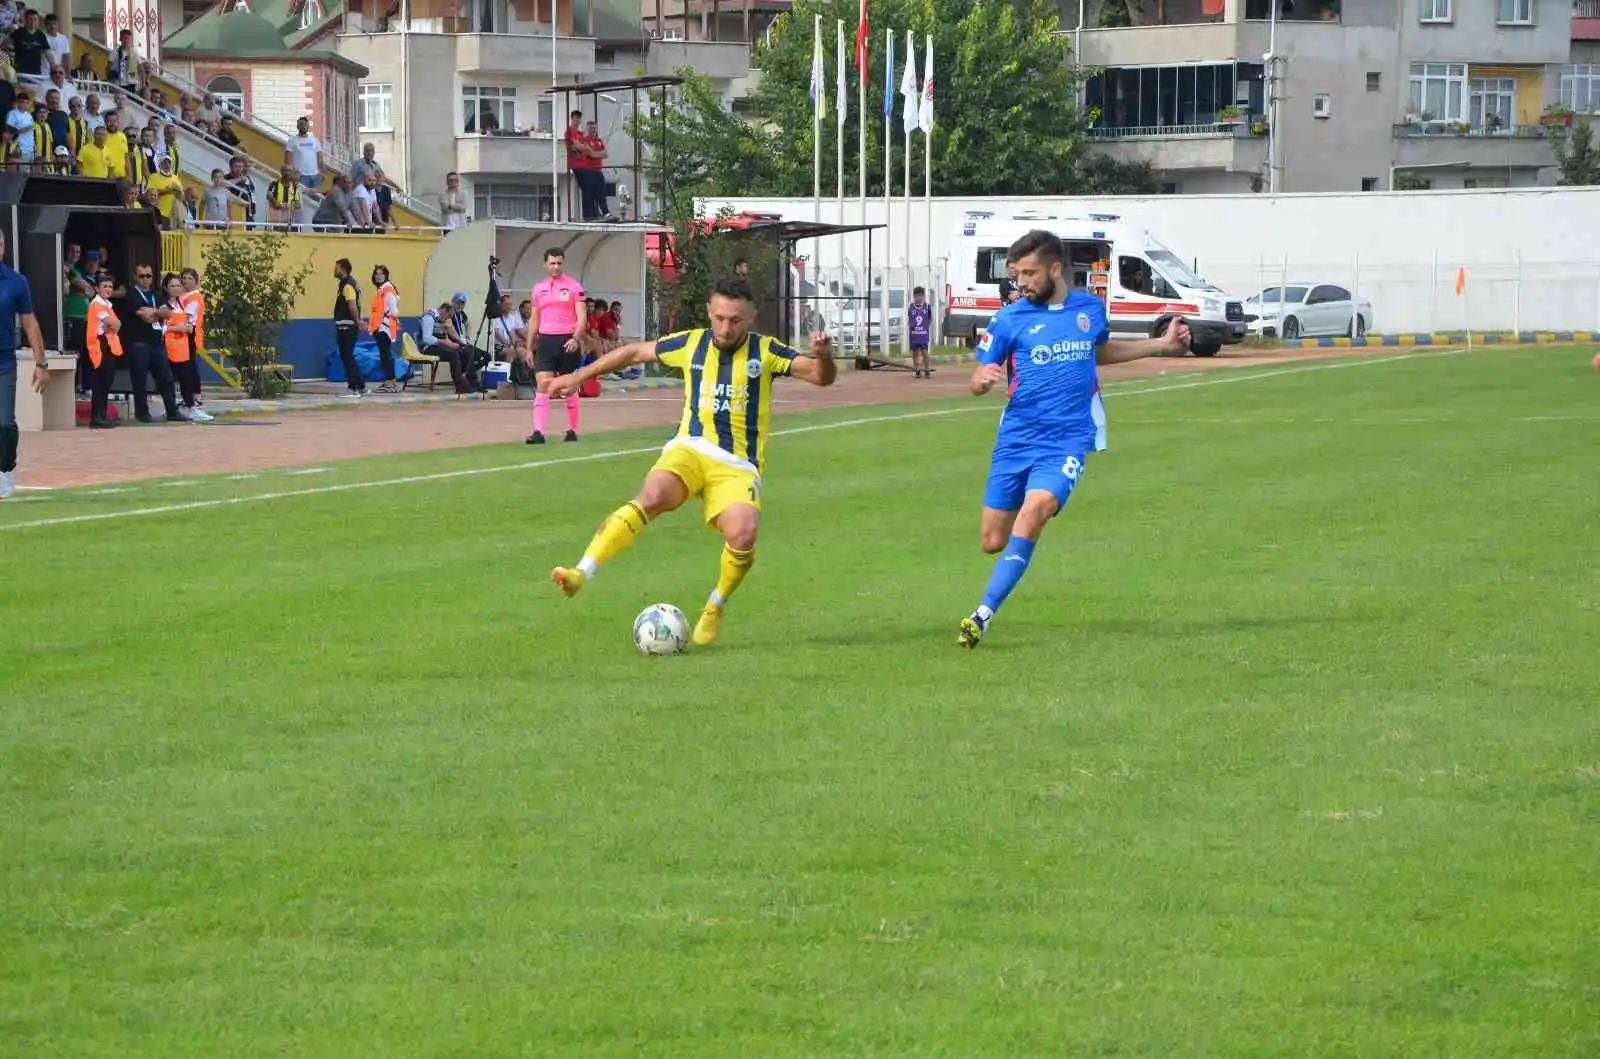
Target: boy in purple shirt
919, 314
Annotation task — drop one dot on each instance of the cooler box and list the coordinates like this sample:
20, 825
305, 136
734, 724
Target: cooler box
496, 374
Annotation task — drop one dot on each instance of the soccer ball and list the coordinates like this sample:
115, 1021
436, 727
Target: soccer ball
660, 629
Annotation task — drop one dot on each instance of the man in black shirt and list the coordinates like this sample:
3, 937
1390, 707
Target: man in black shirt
140, 312
28, 45
347, 325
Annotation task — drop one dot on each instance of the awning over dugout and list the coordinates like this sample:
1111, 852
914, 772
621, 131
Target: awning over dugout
607, 258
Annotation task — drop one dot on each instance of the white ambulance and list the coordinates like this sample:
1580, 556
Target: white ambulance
1144, 284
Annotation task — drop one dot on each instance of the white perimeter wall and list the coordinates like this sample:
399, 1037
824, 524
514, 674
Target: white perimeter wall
1532, 255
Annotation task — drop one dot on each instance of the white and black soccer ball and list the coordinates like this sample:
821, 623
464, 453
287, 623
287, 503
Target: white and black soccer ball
660, 629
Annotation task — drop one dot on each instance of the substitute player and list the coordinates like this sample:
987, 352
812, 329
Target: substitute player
1053, 418
717, 452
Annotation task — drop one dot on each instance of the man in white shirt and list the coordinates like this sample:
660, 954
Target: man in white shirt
304, 153
91, 112
506, 330
453, 204
60, 44
21, 119
364, 203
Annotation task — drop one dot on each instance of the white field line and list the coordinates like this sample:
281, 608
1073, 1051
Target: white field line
473, 472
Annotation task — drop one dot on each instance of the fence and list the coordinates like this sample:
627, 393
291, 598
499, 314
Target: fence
839, 300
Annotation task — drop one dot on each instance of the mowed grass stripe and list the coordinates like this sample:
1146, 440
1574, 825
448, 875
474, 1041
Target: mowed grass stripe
92, 496
1283, 747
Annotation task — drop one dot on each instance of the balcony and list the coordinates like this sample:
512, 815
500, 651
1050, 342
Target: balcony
1119, 14
720, 62
478, 155
1438, 143
1586, 19
505, 53
1233, 148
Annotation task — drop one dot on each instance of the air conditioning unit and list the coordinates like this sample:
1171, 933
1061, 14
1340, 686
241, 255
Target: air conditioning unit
1322, 106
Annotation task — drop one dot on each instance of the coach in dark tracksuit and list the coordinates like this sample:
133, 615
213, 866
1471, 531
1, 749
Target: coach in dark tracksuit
139, 312
347, 325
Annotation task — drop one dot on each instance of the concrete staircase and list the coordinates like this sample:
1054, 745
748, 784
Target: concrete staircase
199, 154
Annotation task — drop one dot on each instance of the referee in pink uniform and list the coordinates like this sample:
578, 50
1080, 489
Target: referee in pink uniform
555, 341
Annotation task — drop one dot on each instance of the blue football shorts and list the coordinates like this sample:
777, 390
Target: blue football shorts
1015, 471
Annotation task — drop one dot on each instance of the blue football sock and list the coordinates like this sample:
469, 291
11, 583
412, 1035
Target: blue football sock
1009, 567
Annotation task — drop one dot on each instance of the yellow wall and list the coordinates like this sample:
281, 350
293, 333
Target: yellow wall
1530, 88
405, 253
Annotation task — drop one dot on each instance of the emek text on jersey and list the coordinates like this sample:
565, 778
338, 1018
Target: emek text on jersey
728, 397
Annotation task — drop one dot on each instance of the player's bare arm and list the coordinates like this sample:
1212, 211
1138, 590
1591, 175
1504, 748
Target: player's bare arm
986, 377
818, 367
621, 357
1175, 339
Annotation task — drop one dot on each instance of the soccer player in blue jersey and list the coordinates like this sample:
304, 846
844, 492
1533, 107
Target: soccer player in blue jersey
1053, 418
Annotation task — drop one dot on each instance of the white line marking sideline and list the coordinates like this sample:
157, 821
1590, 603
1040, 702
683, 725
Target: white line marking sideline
473, 472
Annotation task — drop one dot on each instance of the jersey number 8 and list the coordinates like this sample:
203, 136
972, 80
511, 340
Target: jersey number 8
1072, 468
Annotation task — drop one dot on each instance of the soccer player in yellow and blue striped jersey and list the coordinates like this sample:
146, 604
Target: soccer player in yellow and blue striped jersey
719, 449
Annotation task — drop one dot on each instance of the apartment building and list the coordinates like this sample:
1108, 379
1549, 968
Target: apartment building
726, 21
464, 86
1580, 78
1331, 95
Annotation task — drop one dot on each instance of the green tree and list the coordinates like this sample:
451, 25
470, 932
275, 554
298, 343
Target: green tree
1577, 156
1006, 120
698, 146
249, 294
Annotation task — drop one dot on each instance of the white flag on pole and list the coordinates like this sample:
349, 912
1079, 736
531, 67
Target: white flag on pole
925, 116
819, 76
840, 90
908, 87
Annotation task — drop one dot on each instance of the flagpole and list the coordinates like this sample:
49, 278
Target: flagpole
888, 181
818, 100
927, 165
864, 285
908, 121
838, 194
555, 151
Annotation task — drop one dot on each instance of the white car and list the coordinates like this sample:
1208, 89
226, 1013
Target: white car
1305, 309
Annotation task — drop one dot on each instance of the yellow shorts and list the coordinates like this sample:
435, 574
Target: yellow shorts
717, 484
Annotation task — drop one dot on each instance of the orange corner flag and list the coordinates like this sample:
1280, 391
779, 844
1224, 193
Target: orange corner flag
1461, 280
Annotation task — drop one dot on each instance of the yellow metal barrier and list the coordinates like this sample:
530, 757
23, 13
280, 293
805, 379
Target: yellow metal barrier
174, 251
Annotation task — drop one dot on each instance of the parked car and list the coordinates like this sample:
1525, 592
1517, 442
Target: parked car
1308, 308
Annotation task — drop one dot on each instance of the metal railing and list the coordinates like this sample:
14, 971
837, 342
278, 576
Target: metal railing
1460, 130
1586, 8
1199, 130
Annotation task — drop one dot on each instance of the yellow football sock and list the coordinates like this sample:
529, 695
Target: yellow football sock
615, 534
735, 564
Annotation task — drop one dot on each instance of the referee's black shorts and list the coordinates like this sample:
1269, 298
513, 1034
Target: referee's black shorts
550, 356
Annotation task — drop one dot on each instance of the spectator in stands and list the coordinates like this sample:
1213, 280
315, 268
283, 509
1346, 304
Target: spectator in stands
582, 166
364, 203
168, 189
61, 163
171, 148
8, 148
30, 49
225, 131
243, 187
146, 154
44, 140
283, 197
92, 160
367, 163
347, 326
207, 111
117, 149
191, 204
384, 320
65, 89
453, 204
334, 211
123, 69
78, 131
85, 70
92, 113
59, 43
187, 112
140, 312
20, 120
441, 339
214, 211
10, 15
178, 341
303, 153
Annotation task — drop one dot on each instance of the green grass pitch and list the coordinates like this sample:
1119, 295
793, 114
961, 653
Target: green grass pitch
1286, 746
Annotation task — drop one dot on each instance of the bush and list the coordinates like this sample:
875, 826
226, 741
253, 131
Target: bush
249, 295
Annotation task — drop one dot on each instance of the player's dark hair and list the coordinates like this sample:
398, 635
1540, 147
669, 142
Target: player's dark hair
734, 287
917, 290
555, 251
1045, 245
